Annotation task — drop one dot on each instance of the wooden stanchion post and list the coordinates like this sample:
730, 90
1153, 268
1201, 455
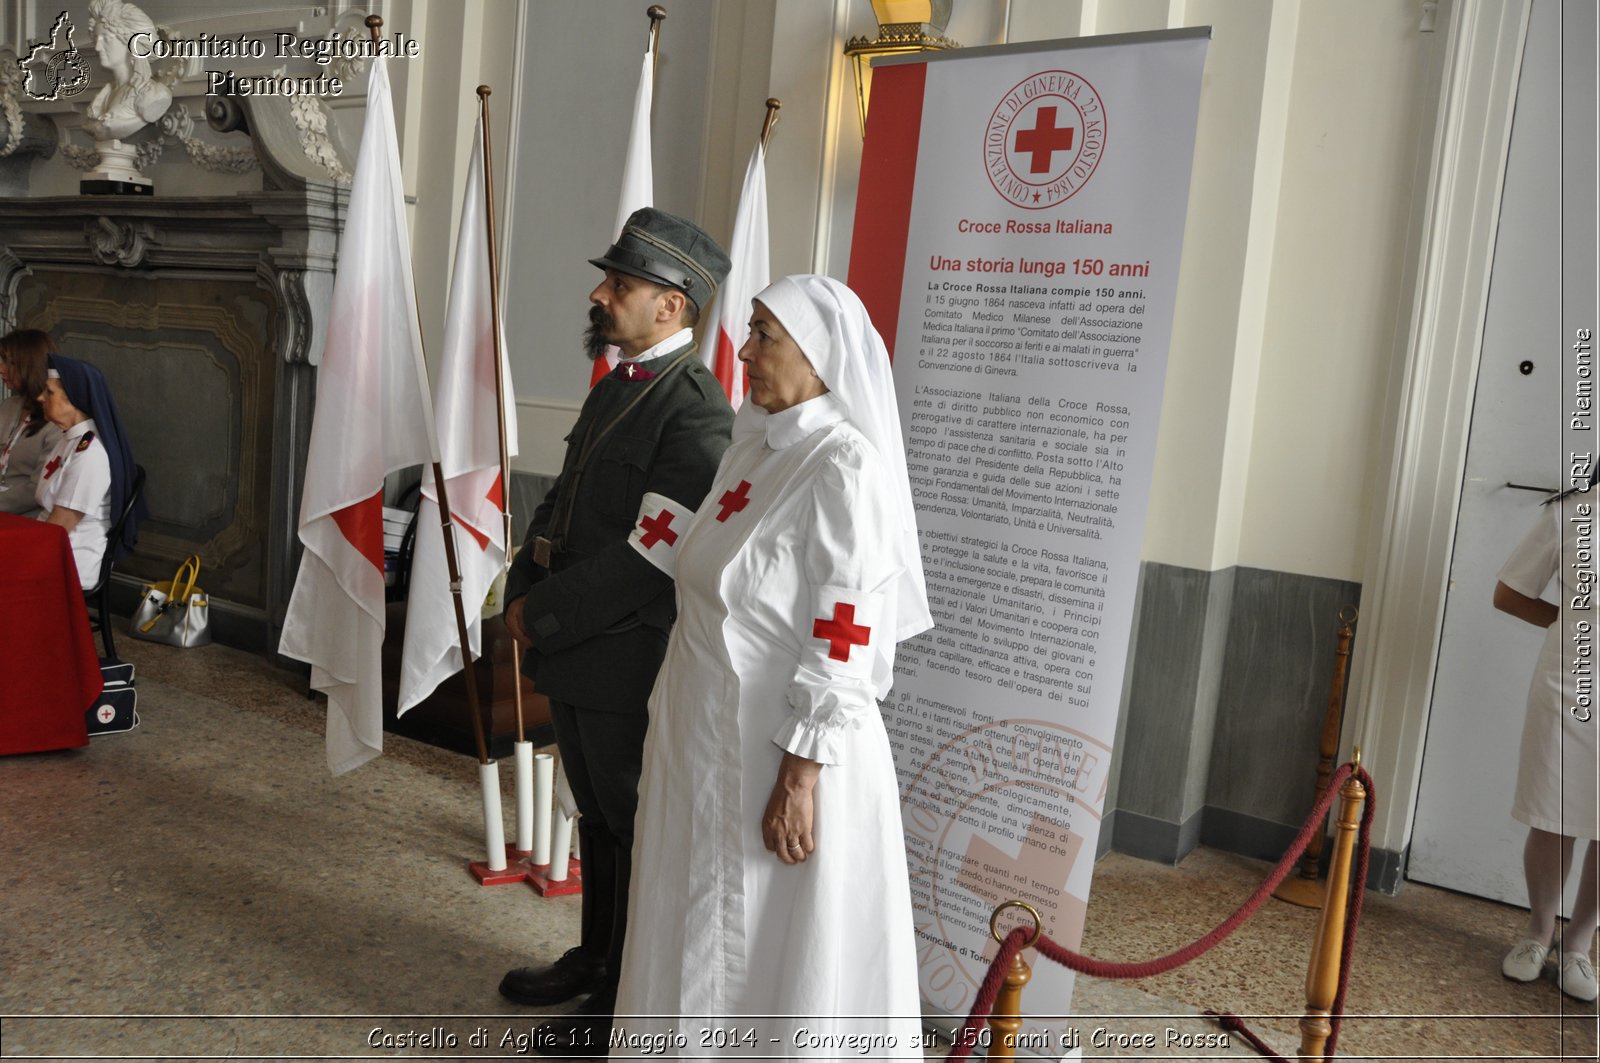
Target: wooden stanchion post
1305, 887
1005, 1021
1322, 975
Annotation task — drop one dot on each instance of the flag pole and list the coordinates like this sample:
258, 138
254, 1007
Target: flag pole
771, 120
533, 797
374, 24
499, 376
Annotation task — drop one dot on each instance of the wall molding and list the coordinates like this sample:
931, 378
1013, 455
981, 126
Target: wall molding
1431, 394
1156, 840
542, 427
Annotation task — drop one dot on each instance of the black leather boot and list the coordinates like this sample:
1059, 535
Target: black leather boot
580, 970
584, 1033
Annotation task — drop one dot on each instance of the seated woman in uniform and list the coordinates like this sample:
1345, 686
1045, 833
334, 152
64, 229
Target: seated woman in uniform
89, 474
25, 436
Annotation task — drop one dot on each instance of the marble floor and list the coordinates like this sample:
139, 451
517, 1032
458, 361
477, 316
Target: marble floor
201, 888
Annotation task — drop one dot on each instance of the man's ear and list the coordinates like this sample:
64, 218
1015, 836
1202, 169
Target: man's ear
671, 306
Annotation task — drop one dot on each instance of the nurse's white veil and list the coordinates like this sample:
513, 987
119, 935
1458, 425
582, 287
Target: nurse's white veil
832, 328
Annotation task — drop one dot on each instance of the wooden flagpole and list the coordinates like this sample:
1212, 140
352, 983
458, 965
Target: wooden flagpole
499, 379
374, 25
771, 120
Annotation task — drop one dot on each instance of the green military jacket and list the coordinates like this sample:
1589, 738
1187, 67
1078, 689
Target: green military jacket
599, 618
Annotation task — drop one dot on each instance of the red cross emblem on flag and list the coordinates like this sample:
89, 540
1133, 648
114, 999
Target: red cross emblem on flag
842, 632
657, 529
734, 501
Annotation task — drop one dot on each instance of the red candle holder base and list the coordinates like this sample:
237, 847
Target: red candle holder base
539, 878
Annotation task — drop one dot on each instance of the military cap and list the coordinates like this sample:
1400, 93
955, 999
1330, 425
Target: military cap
669, 250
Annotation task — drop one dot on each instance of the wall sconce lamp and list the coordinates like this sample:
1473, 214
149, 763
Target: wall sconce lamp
903, 26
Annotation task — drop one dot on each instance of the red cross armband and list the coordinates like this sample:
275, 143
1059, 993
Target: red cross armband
658, 530
842, 632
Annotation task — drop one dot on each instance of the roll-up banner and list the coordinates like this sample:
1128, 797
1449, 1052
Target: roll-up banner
1017, 236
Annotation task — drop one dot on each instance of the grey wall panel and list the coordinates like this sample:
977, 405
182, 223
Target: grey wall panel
1154, 839
1227, 681
1208, 687
1119, 743
1276, 673
1174, 666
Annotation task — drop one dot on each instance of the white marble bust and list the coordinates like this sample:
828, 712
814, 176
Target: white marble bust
133, 99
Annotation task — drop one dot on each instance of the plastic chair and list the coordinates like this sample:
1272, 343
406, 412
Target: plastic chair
98, 597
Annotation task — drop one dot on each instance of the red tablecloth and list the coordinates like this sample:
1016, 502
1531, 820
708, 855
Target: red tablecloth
49, 670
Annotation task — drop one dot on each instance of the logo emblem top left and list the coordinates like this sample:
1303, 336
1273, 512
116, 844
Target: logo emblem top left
54, 69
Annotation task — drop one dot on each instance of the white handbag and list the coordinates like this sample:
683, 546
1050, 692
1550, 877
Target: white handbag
176, 611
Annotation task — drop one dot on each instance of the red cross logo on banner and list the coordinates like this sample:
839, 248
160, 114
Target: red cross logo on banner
841, 632
656, 529
1043, 140
734, 501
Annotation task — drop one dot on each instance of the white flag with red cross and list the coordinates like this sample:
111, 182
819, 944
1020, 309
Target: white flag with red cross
751, 272
638, 181
469, 453
372, 418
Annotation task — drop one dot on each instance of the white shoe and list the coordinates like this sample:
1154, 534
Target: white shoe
1577, 976
1525, 961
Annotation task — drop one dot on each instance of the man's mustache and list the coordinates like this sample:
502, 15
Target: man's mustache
594, 337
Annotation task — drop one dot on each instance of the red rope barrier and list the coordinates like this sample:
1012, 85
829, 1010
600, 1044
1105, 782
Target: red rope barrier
983, 1004
988, 990
1233, 1024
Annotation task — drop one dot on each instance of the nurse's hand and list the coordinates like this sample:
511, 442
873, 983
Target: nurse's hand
786, 824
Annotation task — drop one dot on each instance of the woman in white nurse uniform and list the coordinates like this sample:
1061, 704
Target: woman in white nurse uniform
1556, 773
75, 486
770, 872
90, 475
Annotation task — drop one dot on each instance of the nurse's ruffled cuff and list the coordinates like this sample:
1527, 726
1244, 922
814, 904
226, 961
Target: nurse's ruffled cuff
819, 724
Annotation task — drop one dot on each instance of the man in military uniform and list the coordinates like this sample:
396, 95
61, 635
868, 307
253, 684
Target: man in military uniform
590, 594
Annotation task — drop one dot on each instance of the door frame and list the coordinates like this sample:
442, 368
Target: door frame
1429, 406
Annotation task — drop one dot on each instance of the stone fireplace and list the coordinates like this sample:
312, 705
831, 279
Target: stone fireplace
206, 312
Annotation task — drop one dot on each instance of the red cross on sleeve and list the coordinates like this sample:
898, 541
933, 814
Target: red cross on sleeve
842, 632
657, 529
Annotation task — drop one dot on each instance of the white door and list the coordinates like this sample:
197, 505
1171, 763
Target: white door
1465, 838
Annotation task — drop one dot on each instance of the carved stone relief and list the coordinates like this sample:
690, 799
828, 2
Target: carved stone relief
311, 119
119, 243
